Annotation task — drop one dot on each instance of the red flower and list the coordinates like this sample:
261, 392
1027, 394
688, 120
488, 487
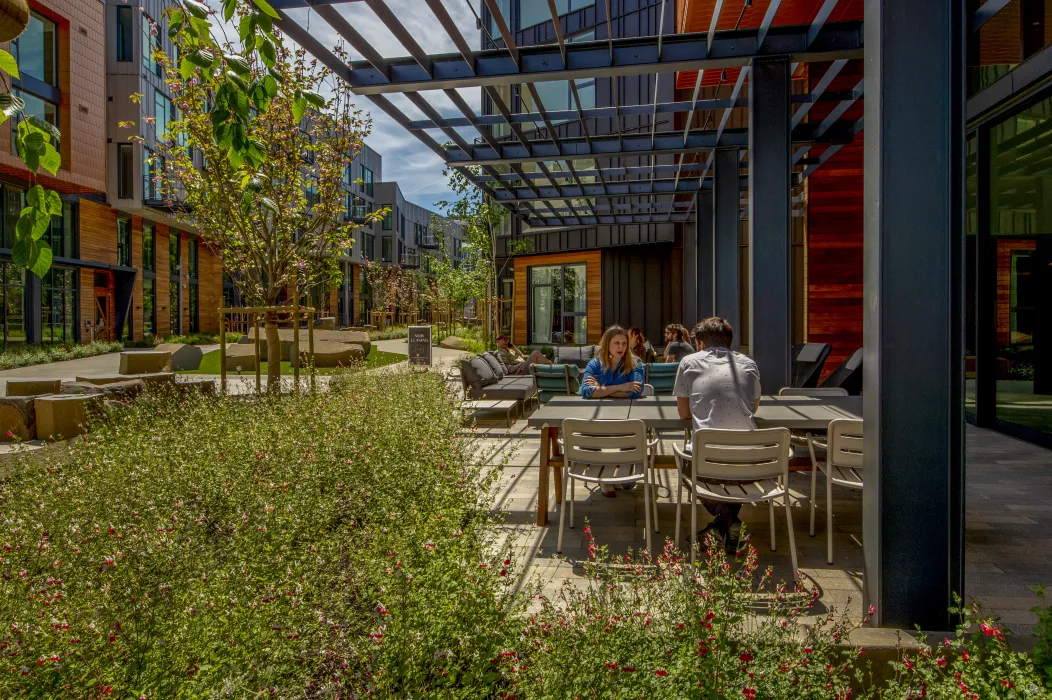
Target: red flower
628, 669
748, 692
745, 657
661, 672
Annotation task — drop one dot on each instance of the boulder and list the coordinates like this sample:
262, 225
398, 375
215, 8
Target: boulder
285, 335
184, 357
118, 391
145, 362
330, 354
17, 418
33, 387
151, 379
325, 323
63, 417
202, 386
241, 357
452, 342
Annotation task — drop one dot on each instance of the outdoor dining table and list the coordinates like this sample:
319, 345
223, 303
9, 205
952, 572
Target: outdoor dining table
801, 413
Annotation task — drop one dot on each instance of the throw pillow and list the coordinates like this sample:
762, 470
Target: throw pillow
477, 373
494, 364
500, 359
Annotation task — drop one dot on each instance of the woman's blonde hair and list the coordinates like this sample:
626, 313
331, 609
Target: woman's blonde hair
606, 357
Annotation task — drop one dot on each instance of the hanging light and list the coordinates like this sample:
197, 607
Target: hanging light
14, 18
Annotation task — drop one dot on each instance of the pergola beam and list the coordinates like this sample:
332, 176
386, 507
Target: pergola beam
604, 59
632, 188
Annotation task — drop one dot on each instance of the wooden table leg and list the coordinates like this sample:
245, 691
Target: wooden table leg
558, 471
542, 488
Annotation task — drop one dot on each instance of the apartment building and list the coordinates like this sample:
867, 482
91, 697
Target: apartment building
125, 264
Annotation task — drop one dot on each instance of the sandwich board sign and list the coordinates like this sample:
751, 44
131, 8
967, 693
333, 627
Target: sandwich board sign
420, 345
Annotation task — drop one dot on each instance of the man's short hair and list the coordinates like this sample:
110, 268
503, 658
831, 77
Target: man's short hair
715, 332
501, 337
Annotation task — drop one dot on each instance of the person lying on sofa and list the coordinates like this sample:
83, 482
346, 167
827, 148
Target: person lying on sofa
517, 362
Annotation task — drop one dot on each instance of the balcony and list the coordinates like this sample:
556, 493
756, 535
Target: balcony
428, 240
410, 258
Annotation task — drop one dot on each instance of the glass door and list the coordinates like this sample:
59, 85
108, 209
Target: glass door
558, 304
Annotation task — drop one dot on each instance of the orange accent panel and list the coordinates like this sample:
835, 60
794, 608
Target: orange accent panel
594, 276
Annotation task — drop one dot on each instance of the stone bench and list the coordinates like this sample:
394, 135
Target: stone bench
330, 354
325, 323
184, 357
63, 416
241, 357
120, 391
202, 386
17, 418
33, 387
145, 362
151, 379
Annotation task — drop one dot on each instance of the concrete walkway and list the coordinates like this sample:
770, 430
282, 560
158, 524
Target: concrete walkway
67, 371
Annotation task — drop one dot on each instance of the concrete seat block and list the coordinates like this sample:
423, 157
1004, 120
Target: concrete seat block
330, 354
151, 379
202, 386
147, 362
184, 357
33, 387
64, 416
17, 418
121, 391
241, 356
285, 336
325, 323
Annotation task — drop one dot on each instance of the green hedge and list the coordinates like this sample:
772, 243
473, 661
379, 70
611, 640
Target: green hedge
25, 356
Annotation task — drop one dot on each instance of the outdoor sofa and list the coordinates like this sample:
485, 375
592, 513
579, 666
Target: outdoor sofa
486, 377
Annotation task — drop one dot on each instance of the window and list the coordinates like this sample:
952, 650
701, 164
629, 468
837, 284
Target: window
58, 305
401, 226
558, 304
505, 11
174, 316
125, 169
193, 296
173, 252
556, 95
163, 112
537, 11
62, 235
149, 278
13, 292
124, 34
12, 199
368, 246
38, 107
124, 241
387, 249
367, 181
310, 193
389, 220
151, 42
151, 176
36, 51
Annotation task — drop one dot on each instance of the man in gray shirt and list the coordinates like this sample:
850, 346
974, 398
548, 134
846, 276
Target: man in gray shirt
718, 388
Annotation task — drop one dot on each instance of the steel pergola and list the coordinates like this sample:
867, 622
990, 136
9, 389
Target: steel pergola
558, 167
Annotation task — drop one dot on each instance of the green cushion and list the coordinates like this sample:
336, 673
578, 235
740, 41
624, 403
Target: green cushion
662, 376
552, 380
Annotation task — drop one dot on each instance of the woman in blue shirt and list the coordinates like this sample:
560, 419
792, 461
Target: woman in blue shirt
614, 372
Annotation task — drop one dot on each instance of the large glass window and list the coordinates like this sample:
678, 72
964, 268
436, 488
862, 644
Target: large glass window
124, 34
13, 289
12, 197
58, 305
124, 241
387, 249
149, 278
151, 43
174, 283
125, 170
149, 241
1021, 227
367, 181
558, 304
40, 108
62, 236
533, 12
388, 224
557, 95
36, 50
162, 113
192, 251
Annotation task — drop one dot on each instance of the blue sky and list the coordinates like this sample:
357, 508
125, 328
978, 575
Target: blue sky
416, 168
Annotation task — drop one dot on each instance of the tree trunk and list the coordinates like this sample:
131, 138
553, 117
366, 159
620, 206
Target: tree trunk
273, 353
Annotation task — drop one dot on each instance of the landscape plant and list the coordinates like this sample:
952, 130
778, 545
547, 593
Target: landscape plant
26, 355
258, 157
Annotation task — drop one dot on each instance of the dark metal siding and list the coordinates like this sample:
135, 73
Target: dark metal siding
641, 287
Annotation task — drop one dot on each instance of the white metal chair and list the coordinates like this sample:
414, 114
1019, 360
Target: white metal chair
736, 466
842, 466
812, 391
605, 452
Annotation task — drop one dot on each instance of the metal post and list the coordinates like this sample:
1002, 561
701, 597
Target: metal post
913, 318
295, 334
256, 318
703, 259
726, 273
310, 347
985, 300
691, 234
770, 234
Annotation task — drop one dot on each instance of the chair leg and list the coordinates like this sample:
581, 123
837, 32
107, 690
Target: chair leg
774, 542
646, 506
829, 518
656, 489
814, 478
573, 487
693, 522
679, 499
792, 537
562, 518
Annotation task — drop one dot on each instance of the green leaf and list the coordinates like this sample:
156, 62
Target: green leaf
269, 203
8, 64
31, 159
10, 105
49, 130
186, 68
40, 258
268, 52
51, 160
299, 106
35, 196
53, 203
196, 8
20, 251
270, 85
315, 99
228, 9
237, 63
33, 141
267, 9
202, 58
244, 28
41, 224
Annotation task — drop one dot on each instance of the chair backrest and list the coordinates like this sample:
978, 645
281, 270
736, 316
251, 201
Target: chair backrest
845, 443
662, 375
579, 356
808, 360
603, 442
741, 455
555, 380
812, 391
648, 390
848, 375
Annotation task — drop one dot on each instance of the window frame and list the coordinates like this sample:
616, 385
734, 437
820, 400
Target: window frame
125, 36
124, 241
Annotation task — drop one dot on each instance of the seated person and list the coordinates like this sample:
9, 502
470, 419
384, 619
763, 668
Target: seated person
718, 388
517, 362
613, 373
641, 347
677, 345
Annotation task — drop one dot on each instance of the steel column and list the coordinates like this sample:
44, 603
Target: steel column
726, 291
985, 271
692, 232
913, 318
704, 257
770, 221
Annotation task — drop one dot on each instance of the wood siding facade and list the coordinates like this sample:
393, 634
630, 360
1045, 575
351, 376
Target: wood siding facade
593, 272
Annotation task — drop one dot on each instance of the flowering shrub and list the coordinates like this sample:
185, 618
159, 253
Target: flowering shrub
1043, 632
25, 356
271, 545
